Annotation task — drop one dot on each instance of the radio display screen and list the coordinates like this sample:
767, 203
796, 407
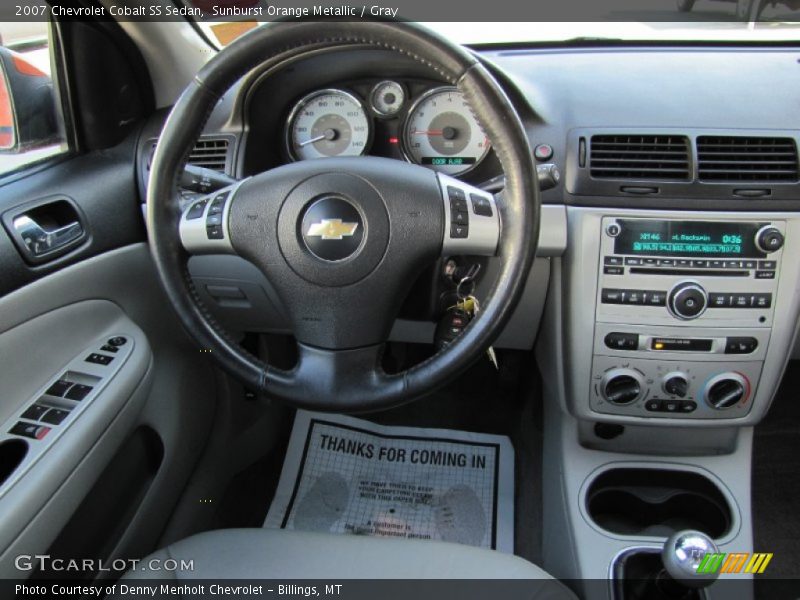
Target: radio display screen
687, 238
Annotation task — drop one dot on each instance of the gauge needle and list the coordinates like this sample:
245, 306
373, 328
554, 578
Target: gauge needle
328, 134
447, 133
428, 132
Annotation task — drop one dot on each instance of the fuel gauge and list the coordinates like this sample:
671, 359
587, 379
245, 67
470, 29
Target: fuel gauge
387, 98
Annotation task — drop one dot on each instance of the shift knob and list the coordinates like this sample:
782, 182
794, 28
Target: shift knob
683, 552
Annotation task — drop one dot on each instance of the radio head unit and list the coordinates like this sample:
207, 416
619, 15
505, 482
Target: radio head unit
695, 239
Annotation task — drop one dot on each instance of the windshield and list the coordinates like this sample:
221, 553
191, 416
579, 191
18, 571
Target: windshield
656, 20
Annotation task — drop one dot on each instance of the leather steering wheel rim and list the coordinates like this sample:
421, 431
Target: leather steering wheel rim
347, 380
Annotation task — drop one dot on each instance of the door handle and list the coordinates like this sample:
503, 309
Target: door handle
46, 228
40, 241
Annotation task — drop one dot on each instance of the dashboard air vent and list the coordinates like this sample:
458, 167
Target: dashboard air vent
211, 153
723, 158
662, 157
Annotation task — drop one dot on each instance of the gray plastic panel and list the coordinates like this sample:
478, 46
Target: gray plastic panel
34, 352
581, 274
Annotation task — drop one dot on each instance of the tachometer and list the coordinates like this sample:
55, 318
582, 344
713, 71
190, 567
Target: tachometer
327, 123
442, 133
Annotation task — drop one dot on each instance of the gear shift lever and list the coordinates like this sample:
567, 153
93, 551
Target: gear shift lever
682, 553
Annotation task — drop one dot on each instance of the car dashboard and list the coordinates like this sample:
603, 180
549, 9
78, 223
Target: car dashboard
642, 136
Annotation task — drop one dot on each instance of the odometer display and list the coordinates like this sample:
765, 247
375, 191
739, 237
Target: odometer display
441, 132
328, 123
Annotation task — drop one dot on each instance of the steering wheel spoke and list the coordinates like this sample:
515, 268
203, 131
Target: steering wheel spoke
472, 221
203, 226
348, 379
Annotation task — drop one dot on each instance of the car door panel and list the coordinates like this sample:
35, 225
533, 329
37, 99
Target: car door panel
38, 501
101, 185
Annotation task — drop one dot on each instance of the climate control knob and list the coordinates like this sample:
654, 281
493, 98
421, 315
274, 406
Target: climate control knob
769, 239
622, 386
687, 300
676, 384
726, 390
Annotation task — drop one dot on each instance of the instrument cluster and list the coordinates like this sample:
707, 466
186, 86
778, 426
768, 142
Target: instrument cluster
431, 126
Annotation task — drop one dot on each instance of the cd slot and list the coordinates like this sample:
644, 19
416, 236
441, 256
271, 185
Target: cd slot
688, 272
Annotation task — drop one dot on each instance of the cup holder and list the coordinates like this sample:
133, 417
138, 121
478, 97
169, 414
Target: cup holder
651, 502
12, 452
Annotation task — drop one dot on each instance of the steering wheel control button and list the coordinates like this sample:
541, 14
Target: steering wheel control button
543, 152
459, 231
332, 229
59, 388
29, 430
481, 206
214, 232
99, 359
687, 300
218, 203
622, 341
196, 211
460, 218
458, 199
78, 392
740, 345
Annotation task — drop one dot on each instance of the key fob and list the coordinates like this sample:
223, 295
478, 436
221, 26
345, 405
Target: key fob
450, 327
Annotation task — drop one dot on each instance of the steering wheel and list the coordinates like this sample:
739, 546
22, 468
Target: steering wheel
343, 239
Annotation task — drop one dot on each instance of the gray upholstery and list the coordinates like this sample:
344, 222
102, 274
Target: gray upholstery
286, 554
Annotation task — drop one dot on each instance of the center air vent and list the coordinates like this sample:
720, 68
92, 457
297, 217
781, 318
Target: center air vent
724, 158
661, 157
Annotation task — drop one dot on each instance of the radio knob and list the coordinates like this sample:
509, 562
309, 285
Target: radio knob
687, 300
622, 386
769, 239
726, 390
676, 384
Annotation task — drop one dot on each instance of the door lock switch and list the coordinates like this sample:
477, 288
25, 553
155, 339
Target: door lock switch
99, 359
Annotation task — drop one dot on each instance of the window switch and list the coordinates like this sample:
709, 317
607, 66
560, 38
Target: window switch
30, 430
99, 359
55, 416
59, 388
109, 348
78, 392
35, 412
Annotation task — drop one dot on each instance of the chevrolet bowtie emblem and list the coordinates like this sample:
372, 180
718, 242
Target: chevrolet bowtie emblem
332, 229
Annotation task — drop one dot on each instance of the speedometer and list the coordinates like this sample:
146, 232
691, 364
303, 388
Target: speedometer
442, 133
327, 123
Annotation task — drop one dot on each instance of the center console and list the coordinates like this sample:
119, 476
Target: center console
690, 315
698, 296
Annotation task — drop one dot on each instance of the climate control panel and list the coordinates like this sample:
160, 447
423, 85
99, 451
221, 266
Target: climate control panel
683, 389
